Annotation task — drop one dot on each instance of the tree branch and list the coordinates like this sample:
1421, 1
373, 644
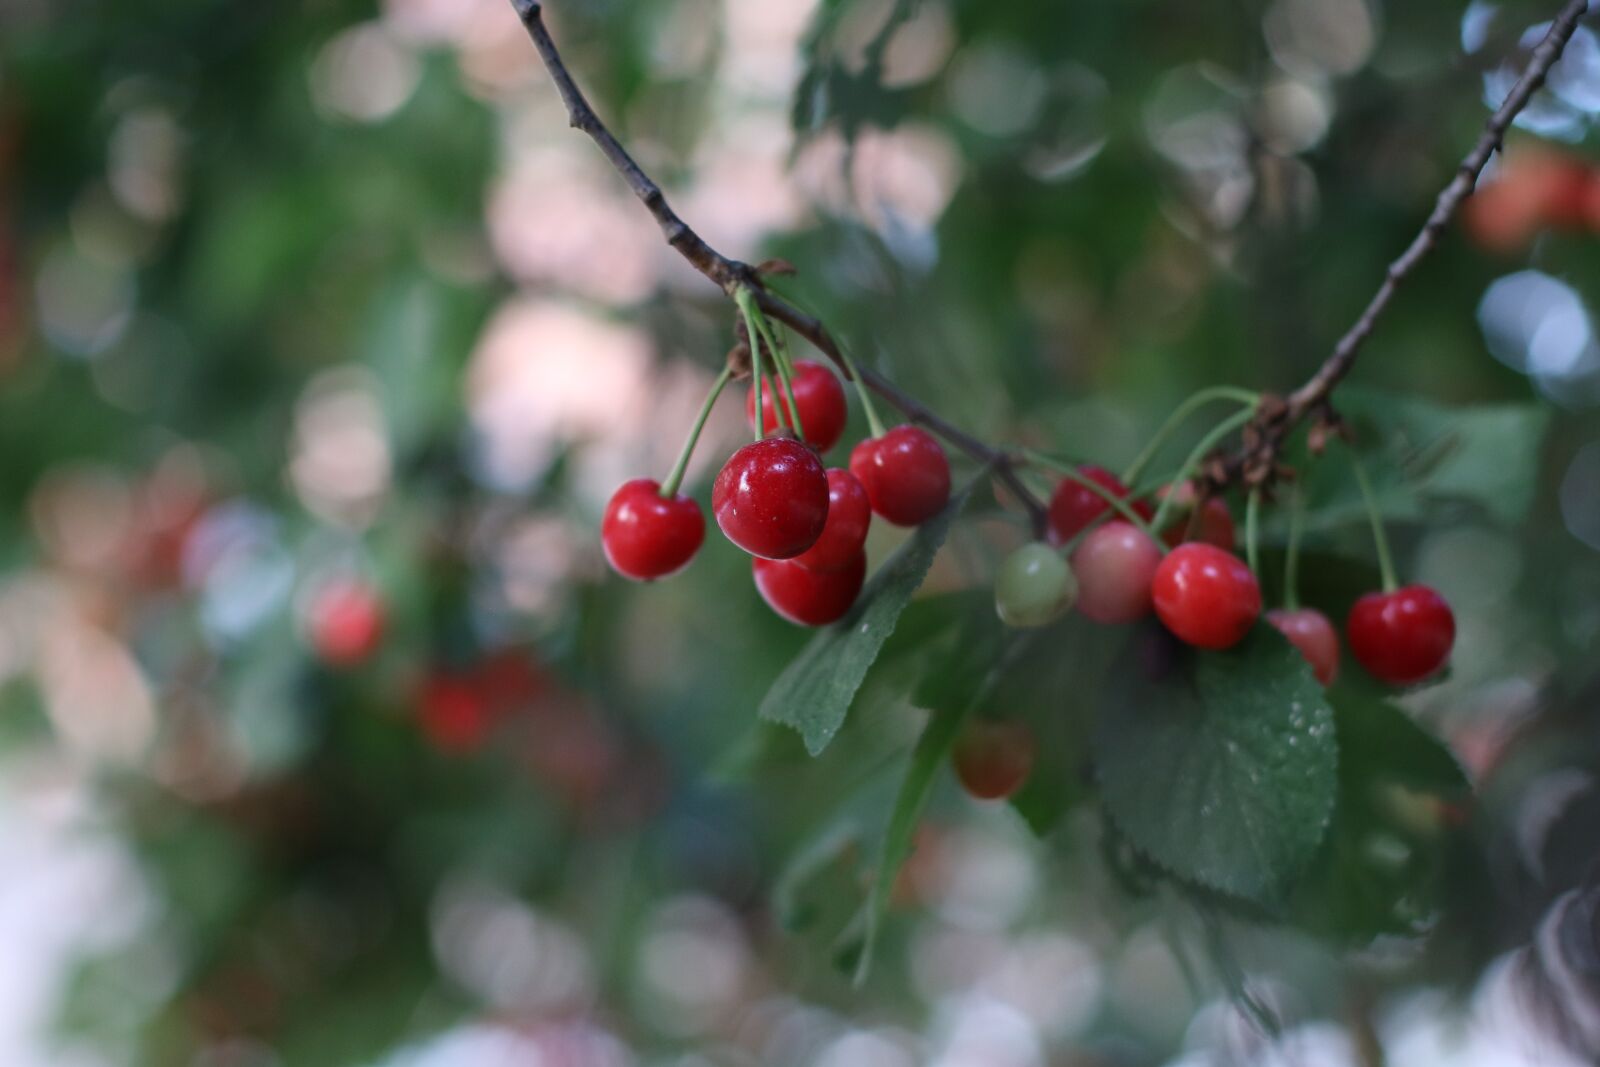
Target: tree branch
1278, 420
730, 274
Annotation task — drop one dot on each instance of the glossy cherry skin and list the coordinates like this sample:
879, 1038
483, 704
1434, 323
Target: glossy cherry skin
992, 759
1401, 637
1114, 565
647, 536
1310, 631
806, 597
771, 498
345, 622
849, 516
1074, 506
818, 395
1206, 596
905, 474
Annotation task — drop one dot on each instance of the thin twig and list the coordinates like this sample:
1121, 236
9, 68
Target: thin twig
1545, 55
730, 275
1314, 395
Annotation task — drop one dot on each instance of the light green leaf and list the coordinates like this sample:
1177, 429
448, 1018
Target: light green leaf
813, 694
1223, 768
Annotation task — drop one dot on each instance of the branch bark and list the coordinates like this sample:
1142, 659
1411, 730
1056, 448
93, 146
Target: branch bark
731, 274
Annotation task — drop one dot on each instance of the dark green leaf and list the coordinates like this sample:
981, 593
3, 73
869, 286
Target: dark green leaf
1419, 453
926, 759
814, 692
1219, 766
1384, 866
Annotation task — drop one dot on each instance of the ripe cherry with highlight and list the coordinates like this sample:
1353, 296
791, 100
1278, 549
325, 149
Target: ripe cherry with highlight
1310, 631
849, 517
1114, 565
1206, 596
645, 535
1401, 637
905, 473
993, 758
771, 498
818, 395
808, 597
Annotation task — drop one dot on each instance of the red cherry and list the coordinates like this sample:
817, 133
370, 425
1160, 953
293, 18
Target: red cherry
1403, 636
647, 536
807, 597
1114, 565
849, 515
1206, 596
1214, 526
454, 717
818, 395
346, 622
1310, 631
993, 759
905, 474
1074, 506
771, 498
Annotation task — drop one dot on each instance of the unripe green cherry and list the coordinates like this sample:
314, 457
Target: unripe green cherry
1034, 586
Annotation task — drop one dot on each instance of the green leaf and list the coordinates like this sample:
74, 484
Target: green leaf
1421, 453
1052, 688
1219, 766
1381, 739
1386, 866
814, 692
926, 759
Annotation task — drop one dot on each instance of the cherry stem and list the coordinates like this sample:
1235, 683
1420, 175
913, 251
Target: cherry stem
1196, 456
1379, 539
874, 424
1072, 474
1252, 527
1176, 419
780, 356
669, 488
1291, 559
754, 336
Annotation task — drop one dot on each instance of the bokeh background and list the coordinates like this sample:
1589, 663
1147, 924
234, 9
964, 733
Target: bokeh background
323, 294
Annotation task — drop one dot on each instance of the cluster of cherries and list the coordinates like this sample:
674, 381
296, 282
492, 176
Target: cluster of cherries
805, 525
1201, 590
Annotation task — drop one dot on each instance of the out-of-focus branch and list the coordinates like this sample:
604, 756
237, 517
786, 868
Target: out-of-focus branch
730, 274
1257, 462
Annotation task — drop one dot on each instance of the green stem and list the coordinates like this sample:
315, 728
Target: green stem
753, 334
780, 356
1291, 560
1200, 451
873, 422
669, 488
1179, 414
1252, 526
1379, 538
1071, 473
